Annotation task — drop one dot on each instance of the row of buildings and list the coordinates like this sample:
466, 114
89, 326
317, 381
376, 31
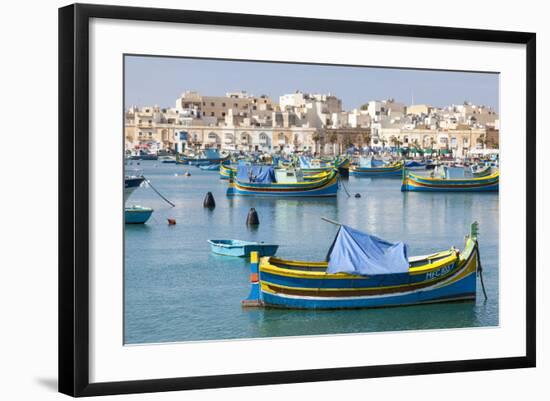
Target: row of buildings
307, 122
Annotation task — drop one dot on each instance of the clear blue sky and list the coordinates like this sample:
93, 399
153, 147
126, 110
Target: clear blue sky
161, 80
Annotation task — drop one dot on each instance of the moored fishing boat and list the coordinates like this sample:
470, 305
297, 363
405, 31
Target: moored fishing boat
208, 156
317, 167
481, 170
388, 170
365, 272
415, 165
226, 171
268, 181
131, 183
234, 247
137, 214
418, 183
210, 167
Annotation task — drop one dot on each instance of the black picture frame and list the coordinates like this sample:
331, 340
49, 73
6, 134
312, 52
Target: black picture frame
74, 201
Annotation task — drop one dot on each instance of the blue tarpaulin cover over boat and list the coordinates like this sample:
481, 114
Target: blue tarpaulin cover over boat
304, 163
259, 174
414, 163
356, 252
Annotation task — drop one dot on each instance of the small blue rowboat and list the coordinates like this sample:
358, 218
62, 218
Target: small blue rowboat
235, 247
137, 214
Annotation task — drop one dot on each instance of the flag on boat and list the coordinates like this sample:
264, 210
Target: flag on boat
356, 252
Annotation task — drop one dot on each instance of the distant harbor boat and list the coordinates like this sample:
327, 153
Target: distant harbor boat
210, 167
144, 156
234, 247
208, 156
453, 180
373, 170
364, 271
270, 182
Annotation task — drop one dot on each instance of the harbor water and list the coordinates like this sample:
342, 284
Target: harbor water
176, 290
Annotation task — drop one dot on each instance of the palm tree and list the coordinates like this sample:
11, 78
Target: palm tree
432, 143
393, 140
416, 145
316, 138
483, 140
332, 139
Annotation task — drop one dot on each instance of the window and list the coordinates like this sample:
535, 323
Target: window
254, 107
223, 104
223, 114
212, 114
212, 135
150, 134
235, 105
150, 121
212, 104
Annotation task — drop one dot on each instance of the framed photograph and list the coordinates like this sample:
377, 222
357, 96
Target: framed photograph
251, 199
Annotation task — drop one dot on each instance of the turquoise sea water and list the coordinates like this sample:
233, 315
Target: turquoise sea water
177, 290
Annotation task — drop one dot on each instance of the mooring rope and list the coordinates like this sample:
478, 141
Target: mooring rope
345, 189
480, 270
158, 193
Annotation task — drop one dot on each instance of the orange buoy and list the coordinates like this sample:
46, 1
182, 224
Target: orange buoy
171, 222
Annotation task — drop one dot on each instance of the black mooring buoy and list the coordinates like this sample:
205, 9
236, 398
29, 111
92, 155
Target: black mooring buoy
252, 219
357, 195
209, 201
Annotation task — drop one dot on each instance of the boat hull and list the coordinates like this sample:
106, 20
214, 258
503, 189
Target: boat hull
452, 278
131, 184
210, 167
390, 171
137, 214
325, 187
242, 250
226, 171
416, 183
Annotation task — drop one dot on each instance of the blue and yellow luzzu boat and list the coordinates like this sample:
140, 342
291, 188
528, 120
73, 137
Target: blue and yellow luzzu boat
268, 181
440, 277
389, 170
226, 171
312, 168
418, 183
